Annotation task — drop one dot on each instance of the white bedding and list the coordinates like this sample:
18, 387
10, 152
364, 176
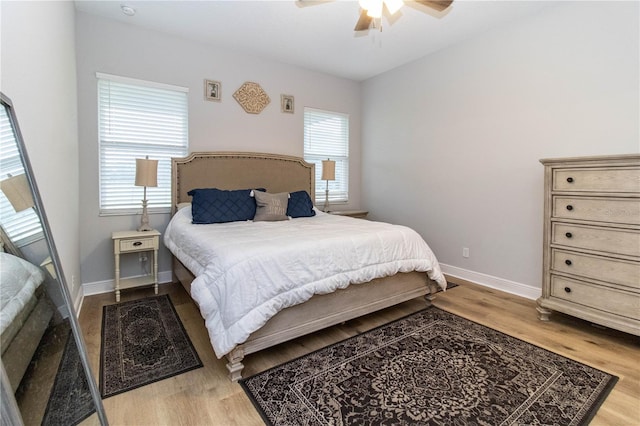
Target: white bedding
19, 280
246, 272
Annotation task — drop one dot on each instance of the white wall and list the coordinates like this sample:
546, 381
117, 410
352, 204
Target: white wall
451, 142
121, 49
38, 73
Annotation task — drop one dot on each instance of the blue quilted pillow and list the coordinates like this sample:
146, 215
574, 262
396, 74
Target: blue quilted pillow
212, 205
300, 205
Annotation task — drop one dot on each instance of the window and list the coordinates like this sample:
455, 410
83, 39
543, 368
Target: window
326, 136
136, 119
22, 227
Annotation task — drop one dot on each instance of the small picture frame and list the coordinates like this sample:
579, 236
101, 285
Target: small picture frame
286, 103
212, 90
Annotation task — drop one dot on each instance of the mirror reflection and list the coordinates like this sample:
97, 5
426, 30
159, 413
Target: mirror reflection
43, 355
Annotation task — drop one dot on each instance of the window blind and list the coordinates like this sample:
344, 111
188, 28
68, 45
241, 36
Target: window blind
138, 119
326, 136
22, 227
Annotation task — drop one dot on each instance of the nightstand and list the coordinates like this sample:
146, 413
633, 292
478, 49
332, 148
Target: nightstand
360, 214
135, 242
48, 265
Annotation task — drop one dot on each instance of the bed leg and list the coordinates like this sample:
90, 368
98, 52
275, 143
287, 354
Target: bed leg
235, 365
433, 289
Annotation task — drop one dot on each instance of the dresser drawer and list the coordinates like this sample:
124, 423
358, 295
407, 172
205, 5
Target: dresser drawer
137, 244
606, 240
618, 180
611, 210
596, 267
594, 296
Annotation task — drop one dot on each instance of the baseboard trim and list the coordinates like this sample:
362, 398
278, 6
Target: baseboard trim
106, 286
497, 283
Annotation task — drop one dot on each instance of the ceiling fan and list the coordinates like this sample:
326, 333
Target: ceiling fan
372, 10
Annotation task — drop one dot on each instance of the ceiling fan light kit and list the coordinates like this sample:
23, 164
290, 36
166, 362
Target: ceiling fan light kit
372, 10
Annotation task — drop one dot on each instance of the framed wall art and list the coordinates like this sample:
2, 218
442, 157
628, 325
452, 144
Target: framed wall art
286, 103
212, 90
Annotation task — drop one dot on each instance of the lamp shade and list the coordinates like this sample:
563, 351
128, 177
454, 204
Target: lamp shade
18, 192
146, 172
328, 170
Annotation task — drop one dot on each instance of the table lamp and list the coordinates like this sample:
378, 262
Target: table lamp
146, 175
328, 173
18, 192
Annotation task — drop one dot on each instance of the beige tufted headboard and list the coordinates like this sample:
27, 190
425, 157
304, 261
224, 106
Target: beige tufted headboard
239, 170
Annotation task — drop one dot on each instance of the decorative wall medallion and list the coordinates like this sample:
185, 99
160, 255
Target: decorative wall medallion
252, 98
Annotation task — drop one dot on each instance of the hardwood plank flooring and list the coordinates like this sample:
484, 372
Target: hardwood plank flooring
206, 397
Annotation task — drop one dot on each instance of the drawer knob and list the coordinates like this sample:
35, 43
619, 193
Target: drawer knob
137, 243
569, 207
570, 179
568, 262
567, 289
568, 235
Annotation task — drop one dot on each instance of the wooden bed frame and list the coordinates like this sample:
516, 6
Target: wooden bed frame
281, 173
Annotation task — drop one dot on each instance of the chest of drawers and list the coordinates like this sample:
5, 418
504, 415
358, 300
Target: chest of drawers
591, 255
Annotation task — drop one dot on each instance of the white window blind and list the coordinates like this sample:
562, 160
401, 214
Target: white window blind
138, 119
326, 136
21, 227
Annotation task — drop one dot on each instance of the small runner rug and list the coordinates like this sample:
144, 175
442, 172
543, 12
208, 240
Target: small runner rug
143, 341
70, 401
430, 368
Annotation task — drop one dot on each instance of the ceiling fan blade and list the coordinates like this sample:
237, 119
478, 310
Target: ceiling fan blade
438, 5
305, 3
364, 22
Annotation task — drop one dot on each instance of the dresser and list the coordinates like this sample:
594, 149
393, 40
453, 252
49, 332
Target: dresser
592, 240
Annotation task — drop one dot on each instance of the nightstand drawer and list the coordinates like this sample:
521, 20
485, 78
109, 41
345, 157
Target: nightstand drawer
607, 240
597, 180
596, 267
610, 210
138, 244
598, 297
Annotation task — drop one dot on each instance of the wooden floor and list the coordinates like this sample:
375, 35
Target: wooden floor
206, 397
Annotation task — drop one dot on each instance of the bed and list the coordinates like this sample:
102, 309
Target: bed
324, 300
24, 315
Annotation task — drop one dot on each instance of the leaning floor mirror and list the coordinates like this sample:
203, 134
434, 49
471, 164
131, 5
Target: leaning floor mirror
45, 376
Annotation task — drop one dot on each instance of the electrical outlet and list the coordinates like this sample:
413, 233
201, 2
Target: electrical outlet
142, 257
465, 252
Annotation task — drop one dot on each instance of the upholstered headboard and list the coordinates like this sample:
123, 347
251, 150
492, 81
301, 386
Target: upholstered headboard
239, 170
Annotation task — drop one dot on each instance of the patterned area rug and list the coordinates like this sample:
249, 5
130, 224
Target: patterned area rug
143, 341
430, 368
70, 401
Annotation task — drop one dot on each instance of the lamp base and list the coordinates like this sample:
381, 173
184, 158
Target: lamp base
326, 200
144, 221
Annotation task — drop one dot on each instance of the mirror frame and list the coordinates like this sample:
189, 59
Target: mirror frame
9, 409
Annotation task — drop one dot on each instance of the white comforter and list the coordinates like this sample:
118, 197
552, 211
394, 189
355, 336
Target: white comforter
19, 280
246, 272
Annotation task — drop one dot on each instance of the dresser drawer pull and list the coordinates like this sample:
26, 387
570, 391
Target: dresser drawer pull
570, 179
568, 235
569, 207
568, 262
137, 243
567, 289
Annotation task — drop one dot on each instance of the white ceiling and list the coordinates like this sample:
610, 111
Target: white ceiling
318, 35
